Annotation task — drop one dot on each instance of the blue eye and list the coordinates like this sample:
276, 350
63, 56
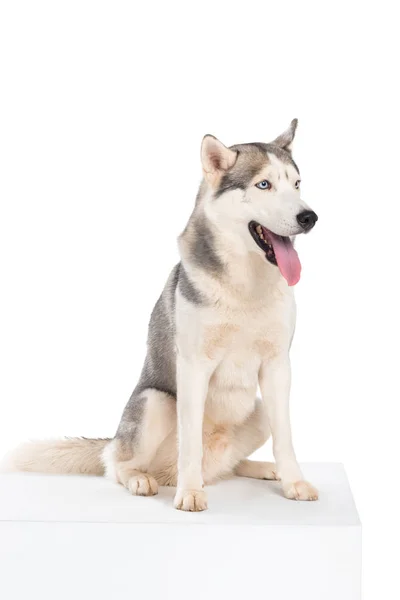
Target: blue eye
264, 185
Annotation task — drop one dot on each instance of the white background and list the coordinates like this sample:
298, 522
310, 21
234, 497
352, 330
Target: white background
102, 109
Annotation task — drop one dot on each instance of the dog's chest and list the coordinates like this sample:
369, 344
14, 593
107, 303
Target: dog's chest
232, 389
239, 345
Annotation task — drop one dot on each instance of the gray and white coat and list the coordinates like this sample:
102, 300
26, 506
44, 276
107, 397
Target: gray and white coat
222, 326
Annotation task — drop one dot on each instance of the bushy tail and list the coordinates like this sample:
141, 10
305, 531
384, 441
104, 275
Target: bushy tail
69, 455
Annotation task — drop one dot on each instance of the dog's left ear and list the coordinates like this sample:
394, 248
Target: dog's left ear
285, 140
216, 159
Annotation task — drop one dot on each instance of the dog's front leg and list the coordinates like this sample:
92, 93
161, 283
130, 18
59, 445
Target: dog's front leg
275, 379
192, 384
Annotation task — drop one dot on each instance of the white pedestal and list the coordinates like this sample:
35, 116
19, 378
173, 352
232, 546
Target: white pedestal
81, 537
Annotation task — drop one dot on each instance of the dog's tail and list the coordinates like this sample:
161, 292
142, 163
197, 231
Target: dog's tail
69, 455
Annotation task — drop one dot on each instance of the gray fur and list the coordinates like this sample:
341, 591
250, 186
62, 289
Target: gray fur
159, 369
284, 155
202, 251
251, 159
129, 427
188, 289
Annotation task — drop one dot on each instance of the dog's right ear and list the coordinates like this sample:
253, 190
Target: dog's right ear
216, 159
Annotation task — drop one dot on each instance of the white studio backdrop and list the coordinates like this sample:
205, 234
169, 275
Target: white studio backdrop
103, 106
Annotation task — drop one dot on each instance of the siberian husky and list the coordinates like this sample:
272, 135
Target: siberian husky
222, 326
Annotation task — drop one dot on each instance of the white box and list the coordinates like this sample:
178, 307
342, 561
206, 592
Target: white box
82, 537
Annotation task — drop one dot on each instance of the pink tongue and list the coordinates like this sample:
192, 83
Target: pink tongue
286, 257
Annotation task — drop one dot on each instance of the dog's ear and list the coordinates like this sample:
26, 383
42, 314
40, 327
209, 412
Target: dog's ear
216, 159
285, 140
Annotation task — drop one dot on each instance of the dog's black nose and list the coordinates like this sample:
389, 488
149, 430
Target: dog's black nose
307, 219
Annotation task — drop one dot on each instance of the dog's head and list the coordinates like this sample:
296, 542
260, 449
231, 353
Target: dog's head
255, 194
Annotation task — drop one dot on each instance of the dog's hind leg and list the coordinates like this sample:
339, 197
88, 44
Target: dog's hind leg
147, 420
250, 437
256, 469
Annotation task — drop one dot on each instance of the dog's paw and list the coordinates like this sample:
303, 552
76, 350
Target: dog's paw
142, 484
269, 471
190, 500
300, 490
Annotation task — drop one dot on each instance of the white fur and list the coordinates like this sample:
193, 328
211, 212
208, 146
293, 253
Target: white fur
108, 462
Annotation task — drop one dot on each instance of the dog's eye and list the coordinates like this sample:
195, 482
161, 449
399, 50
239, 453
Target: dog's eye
297, 184
264, 185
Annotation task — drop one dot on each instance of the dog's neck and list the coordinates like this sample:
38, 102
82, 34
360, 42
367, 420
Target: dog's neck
218, 259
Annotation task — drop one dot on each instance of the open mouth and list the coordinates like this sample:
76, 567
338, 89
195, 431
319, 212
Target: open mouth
278, 251
261, 238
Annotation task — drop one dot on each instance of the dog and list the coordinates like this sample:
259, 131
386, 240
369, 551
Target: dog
222, 326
